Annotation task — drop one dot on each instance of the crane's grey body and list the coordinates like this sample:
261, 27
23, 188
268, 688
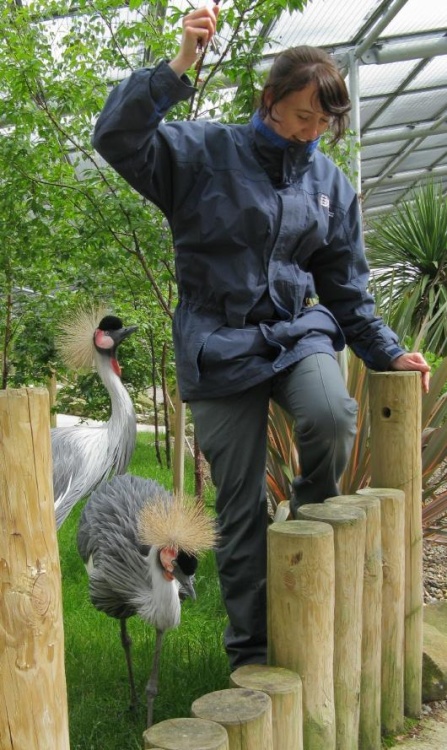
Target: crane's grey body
83, 456
125, 577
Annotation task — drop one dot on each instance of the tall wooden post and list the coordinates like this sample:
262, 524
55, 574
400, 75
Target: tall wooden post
392, 512
52, 392
349, 525
179, 444
300, 619
395, 406
33, 700
371, 676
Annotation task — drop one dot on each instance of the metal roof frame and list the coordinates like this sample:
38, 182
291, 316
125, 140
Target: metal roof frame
374, 45
372, 52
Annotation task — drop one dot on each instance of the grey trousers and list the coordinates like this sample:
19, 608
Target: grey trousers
232, 435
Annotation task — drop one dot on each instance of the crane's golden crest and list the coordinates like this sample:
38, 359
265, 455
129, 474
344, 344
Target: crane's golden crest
182, 523
74, 340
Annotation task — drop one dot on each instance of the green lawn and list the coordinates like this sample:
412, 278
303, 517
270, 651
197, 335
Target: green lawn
193, 659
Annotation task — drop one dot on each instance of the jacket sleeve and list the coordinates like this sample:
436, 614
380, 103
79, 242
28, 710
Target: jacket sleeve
127, 134
341, 276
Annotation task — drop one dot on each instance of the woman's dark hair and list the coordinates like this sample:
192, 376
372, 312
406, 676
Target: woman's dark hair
296, 68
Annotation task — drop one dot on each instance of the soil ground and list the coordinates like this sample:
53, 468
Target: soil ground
431, 733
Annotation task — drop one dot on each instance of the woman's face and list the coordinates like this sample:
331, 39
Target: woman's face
298, 117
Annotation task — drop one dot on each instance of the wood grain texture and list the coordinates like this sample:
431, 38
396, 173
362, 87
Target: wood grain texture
300, 619
349, 526
396, 461
33, 702
245, 714
186, 734
392, 511
370, 684
284, 688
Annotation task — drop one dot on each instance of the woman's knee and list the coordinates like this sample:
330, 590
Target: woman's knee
330, 420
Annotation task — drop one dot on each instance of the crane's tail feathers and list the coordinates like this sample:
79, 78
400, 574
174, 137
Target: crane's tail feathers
74, 341
182, 523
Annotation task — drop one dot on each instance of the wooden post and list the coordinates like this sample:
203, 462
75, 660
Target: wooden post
396, 461
300, 619
370, 686
52, 392
285, 691
33, 700
186, 734
245, 714
392, 511
349, 525
179, 444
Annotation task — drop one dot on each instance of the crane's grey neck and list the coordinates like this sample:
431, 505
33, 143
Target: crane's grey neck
162, 609
122, 425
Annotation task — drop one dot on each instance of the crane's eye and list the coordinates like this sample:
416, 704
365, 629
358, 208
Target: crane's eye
187, 563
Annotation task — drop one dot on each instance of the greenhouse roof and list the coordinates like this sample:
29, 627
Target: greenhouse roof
394, 55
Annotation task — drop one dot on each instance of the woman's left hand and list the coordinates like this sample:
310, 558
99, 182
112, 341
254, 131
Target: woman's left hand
413, 361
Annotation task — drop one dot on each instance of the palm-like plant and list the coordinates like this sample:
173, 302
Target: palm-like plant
407, 251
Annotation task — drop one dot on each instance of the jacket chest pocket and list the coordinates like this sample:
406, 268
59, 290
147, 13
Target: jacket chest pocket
225, 208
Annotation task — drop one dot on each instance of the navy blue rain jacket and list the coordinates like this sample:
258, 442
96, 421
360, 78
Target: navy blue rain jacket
256, 222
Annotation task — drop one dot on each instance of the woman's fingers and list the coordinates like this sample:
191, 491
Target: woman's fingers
199, 26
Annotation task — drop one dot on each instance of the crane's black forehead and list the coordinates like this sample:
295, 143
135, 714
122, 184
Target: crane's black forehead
110, 323
187, 563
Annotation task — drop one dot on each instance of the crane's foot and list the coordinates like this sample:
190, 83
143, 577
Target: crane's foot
150, 707
135, 705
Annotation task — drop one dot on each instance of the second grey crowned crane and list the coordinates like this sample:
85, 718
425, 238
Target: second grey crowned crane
140, 545
83, 456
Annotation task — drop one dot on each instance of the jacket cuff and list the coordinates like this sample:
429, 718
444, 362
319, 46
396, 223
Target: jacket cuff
395, 353
167, 87
383, 359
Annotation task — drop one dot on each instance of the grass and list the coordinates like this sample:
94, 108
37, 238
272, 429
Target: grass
193, 659
393, 740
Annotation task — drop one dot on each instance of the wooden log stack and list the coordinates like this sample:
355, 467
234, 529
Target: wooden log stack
329, 579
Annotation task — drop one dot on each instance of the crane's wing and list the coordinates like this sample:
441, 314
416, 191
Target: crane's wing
80, 463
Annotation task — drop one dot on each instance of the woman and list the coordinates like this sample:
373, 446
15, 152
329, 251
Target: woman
260, 218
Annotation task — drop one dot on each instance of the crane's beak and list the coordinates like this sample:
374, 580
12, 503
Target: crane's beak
185, 581
122, 333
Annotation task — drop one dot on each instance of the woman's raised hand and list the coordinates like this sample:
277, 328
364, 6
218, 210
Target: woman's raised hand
199, 27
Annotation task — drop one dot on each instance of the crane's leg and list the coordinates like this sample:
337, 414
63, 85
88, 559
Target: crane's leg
152, 685
127, 643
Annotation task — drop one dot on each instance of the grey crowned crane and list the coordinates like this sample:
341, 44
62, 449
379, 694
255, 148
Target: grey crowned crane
83, 456
140, 545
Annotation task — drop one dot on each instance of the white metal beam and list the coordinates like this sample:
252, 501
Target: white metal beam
407, 132
381, 54
402, 178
